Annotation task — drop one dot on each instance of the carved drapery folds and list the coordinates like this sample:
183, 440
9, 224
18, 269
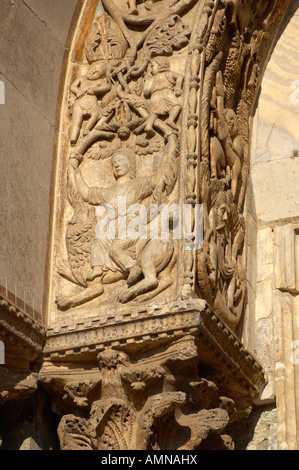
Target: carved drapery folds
157, 108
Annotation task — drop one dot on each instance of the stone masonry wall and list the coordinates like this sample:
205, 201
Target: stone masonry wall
33, 47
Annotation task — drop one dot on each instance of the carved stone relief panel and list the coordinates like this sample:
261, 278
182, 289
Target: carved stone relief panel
120, 160
154, 144
142, 345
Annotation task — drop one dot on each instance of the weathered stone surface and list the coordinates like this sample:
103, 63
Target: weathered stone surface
274, 183
16, 383
282, 202
24, 220
259, 432
158, 117
32, 49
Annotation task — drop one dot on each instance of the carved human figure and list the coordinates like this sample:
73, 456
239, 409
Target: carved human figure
163, 88
137, 260
227, 147
87, 89
117, 253
229, 231
234, 147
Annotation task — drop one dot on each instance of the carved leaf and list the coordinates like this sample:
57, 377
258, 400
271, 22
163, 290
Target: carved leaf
105, 41
202, 424
156, 407
73, 433
166, 36
112, 425
103, 150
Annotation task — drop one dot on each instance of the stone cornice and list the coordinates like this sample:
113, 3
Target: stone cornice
218, 347
22, 335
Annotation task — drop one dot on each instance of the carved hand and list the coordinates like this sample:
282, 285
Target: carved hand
75, 160
81, 94
90, 91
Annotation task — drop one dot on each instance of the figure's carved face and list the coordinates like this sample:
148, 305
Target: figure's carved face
154, 68
159, 66
232, 123
121, 165
97, 71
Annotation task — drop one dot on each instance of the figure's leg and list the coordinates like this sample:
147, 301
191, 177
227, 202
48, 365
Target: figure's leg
173, 115
77, 121
94, 116
154, 258
120, 256
149, 282
217, 157
97, 271
96, 260
165, 281
149, 128
93, 291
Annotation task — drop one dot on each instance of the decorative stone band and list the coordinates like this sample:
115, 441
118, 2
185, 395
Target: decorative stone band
22, 335
138, 326
217, 345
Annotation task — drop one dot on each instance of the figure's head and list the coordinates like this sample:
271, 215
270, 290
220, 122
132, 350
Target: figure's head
97, 70
222, 208
160, 64
124, 163
232, 122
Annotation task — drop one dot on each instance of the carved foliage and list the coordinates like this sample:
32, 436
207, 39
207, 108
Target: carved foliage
160, 420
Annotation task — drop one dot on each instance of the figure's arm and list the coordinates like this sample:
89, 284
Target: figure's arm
147, 91
100, 89
94, 195
222, 130
179, 79
75, 87
164, 179
75, 176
